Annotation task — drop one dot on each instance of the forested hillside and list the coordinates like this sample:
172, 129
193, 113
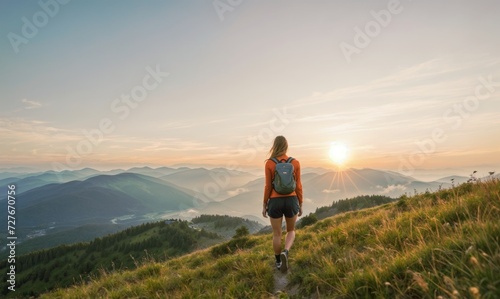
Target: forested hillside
65, 265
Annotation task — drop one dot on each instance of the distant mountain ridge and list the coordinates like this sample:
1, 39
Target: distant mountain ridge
59, 203
125, 199
101, 197
27, 182
324, 188
63, 201
215, 183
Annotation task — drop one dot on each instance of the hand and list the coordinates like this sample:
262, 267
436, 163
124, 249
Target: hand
300, 211
264, 212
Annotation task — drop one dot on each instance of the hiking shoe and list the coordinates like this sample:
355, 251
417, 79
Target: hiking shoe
284, 261
278, 265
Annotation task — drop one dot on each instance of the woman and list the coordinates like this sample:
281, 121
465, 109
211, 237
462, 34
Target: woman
277, 205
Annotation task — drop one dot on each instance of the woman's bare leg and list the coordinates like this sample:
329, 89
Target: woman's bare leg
276, 225
290, 231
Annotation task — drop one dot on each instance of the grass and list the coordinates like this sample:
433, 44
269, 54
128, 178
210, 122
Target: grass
436, 245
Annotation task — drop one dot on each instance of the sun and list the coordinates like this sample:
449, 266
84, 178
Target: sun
338, 152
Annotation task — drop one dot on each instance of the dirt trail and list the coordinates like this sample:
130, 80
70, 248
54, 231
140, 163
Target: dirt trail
281, 284
280, 281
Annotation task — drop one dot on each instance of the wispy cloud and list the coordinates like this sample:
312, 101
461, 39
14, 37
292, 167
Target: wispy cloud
238, 191
34, 141
401, 108
436, 79
150, 146
31, 104
330, 191
391, 188
218, 121
176, 125
191, 123
26, 130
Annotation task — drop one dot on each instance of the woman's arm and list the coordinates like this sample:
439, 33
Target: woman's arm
268, 187
298, 181
298, 186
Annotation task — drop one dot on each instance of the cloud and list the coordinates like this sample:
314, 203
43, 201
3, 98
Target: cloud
404, 107
438, 80
27, 130
237, 191
176, 125
32, 141
163, 144
391, 188
330, 191
191, 213
31, 104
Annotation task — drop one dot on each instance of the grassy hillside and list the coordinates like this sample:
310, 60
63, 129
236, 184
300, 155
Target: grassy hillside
444, 244
344, 205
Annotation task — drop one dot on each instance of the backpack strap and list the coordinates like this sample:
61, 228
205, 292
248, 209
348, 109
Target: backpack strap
275, 160
290, 159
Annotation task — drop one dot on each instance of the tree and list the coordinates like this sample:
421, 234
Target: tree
308, 220
241, 232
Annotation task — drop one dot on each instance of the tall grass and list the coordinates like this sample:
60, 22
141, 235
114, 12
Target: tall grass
436, 245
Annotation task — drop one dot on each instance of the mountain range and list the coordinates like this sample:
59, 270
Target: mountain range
324, 188
99, 199
59, 203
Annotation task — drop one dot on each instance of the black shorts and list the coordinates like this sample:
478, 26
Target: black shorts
279, 206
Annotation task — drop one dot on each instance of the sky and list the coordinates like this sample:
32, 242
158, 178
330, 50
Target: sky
407, 86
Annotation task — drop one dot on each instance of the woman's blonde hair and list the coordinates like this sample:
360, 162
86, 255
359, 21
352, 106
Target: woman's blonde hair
280, 146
